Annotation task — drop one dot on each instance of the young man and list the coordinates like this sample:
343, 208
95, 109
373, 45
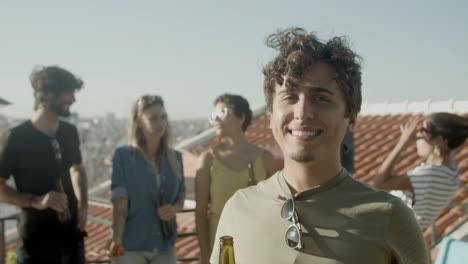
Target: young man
313, 211
43, 156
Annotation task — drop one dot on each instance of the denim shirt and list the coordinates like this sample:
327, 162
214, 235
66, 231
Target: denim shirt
134, 180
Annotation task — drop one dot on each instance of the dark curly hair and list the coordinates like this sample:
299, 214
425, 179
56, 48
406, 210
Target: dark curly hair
239, 105
299, 49
52, 79
451, 127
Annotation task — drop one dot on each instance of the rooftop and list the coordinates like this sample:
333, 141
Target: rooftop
376, 133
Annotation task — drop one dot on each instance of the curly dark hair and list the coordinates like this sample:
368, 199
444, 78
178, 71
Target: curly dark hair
451, 127
299, 49
52, 79
239, 105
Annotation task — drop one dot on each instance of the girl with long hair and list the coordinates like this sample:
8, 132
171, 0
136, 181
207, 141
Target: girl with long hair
148, 188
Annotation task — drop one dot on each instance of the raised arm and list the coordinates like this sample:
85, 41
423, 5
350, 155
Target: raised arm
202, 197
385, 179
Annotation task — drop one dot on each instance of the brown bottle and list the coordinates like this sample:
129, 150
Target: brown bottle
65, 215
226, 250
167, 228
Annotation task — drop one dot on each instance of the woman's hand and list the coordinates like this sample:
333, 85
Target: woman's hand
115, 248
409, 129
166, 212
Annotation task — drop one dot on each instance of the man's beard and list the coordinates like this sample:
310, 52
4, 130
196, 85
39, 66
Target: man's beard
58, 108
302, 157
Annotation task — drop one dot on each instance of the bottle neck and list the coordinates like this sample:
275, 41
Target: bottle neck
226, 255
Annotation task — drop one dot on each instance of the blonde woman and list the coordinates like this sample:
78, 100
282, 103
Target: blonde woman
148, 189
233, 165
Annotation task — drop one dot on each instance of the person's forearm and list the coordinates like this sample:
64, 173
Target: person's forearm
11, 196
202, 231
119, 216
80, 185
385, 171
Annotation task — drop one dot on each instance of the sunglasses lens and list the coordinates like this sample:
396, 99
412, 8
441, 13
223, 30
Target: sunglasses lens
217, 115
222, 113
288, 209
56, 150
293, 237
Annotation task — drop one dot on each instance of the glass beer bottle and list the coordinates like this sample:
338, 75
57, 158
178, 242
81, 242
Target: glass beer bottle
226, 250
166, 226
65, 215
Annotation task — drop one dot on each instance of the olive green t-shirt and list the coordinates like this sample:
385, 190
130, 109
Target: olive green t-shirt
343, 221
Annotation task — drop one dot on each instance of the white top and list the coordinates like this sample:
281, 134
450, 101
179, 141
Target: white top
434, 186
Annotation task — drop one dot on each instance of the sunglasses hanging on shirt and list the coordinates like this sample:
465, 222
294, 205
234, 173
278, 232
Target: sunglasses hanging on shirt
56, 150
293, 235
65, 215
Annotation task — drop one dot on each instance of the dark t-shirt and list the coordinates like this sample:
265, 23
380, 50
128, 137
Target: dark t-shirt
29, 156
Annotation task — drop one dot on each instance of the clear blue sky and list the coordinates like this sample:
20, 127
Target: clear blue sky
191, 51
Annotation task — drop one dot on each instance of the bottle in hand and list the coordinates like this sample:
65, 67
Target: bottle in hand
167, 227
226, 250
64, 216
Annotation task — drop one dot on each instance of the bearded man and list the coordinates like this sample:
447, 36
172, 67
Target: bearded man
43, 156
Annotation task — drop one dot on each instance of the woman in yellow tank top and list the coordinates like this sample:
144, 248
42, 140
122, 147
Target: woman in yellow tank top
233, 165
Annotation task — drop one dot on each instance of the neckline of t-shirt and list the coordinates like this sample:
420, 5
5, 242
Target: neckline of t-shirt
42, 133
318, 189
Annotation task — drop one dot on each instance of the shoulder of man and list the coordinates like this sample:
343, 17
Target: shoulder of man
239, 207
403, 234
390, 209
372, 193
15, 137
17, 131
67, 126
24, 126
263, 189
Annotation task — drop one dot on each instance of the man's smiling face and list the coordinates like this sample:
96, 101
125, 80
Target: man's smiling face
308, 115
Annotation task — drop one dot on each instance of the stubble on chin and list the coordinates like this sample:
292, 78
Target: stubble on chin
302, 157
60, 110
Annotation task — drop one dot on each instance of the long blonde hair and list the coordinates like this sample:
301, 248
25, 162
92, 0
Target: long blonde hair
137, 138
